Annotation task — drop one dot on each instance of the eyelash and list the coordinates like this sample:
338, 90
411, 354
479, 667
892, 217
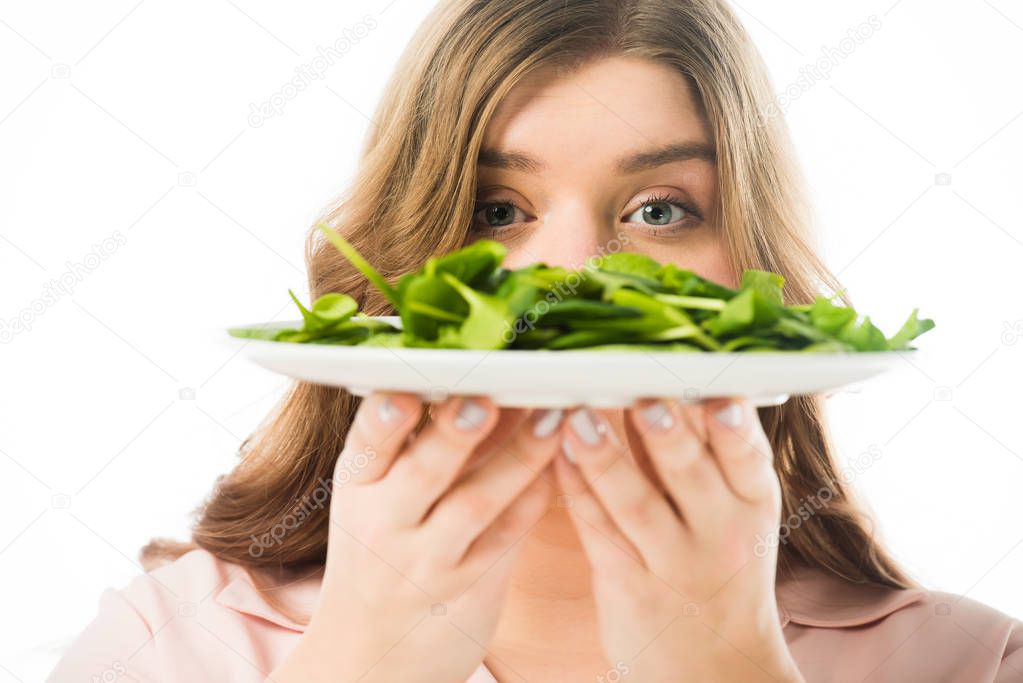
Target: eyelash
656, 230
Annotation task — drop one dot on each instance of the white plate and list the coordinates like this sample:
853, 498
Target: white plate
548, 379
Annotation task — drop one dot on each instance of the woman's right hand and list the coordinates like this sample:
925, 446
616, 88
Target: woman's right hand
422, 538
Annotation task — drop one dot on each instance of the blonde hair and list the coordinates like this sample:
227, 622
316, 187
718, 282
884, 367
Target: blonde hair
421, 153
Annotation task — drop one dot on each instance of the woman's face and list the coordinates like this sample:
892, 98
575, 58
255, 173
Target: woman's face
615, 156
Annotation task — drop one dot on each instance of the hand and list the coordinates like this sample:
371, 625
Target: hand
420, 530
680, 590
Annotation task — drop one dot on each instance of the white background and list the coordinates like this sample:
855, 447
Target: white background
134, 117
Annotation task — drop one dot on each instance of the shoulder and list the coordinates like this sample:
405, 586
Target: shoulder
177, 588
172, 585
177, 621
200, 584
878, 633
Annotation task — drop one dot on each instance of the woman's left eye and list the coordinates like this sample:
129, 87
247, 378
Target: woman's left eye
662, 210
502, 213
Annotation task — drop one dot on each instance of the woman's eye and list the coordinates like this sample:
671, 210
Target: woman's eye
660, 212
497, 214
656, 212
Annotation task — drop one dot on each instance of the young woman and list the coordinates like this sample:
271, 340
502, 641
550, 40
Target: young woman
388, 540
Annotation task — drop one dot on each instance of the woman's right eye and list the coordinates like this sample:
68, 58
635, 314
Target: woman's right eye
496, 214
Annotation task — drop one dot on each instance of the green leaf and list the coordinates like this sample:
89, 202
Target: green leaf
629, 263
489, 323
427, 299
638, 346
466, 299
611, 282
796, 329
327, 311
863, 335
582, 338
391, 340
767, 284
520, 291
257, 332
909, 331
571, 311
471, 264
833, 346
687, 283
333, 307
356, 259
705, 303
746, 311
828, 317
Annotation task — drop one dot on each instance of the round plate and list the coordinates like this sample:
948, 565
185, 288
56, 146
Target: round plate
550, 379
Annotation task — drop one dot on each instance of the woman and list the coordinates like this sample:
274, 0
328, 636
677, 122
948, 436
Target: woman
671, 541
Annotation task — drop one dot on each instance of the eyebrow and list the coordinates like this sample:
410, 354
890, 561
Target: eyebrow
630, 163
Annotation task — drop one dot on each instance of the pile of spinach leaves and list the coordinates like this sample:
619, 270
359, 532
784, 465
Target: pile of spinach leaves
622, 301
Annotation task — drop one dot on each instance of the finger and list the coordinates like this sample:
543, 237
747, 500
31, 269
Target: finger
627, 433
434, 458
376, 436
616, 422
610, 553
742, 449
508, 422
476, 501
683, 461
629, 498
511, 525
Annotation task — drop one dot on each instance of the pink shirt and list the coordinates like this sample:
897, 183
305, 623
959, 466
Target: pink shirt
201, 619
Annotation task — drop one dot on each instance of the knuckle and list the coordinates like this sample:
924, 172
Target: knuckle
738, 450
600, 459
473, 504
693, 467
761, 487
502, 534
416, 473
525, 450
356, 437
640, 510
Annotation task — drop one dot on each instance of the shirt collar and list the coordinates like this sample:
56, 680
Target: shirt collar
298, 593
815, 597
806, 597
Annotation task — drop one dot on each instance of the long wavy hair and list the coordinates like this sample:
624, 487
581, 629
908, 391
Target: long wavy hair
421, 151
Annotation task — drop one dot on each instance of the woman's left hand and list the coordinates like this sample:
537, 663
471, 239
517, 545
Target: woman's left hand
680, 587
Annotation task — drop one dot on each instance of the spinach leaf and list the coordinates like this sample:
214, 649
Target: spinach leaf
362, 264
466, 299
909, 331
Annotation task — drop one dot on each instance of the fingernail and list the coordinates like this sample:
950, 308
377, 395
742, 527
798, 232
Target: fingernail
658, 416
388, 410
545, 422
471, 415
730, 415
585, 426
569, 454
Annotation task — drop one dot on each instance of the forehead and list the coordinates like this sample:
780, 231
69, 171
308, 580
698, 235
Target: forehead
596, 111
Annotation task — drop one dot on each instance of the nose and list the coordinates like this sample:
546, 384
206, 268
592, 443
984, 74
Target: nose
566, 236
